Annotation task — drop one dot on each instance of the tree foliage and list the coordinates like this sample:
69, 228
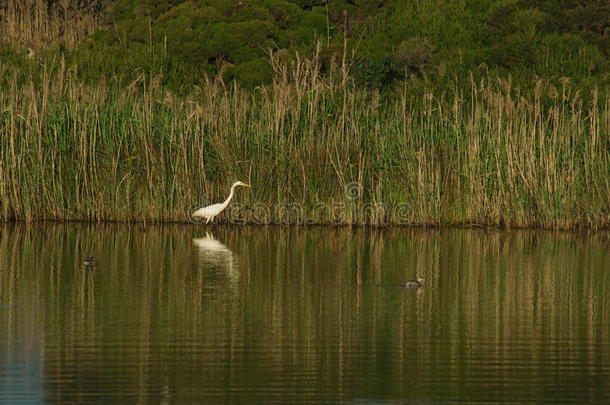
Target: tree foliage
384, 39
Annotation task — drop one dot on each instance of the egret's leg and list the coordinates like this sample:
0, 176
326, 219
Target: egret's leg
208, 220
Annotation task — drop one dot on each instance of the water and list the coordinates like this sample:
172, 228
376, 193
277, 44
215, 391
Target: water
275, 315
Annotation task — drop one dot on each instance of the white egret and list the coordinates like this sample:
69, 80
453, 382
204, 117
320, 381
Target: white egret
211, 211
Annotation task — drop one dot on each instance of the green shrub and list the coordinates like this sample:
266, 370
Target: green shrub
252, 73
376, 72
415, 54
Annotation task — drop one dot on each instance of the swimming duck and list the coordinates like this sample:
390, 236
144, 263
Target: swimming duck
90, 262
414, 283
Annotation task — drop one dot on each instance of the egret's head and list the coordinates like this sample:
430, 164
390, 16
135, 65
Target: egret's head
239, 183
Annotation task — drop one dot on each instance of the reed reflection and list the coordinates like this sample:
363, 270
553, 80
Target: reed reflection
311, 316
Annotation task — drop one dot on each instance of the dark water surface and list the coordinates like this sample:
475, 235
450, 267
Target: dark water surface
279, 315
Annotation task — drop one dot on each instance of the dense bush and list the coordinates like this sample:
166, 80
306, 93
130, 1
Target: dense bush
415, 54
183, 41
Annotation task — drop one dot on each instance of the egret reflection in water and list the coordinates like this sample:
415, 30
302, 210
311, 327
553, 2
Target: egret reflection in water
214, 254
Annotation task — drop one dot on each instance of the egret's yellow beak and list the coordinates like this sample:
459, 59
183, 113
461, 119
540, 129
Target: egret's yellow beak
246, 185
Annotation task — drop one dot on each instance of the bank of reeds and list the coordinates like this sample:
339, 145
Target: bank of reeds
315, 151
35, 23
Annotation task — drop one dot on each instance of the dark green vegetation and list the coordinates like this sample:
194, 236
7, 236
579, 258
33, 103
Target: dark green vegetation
438, 41
434, 40
444, 112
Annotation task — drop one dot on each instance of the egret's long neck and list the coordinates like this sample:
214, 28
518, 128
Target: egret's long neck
228, 200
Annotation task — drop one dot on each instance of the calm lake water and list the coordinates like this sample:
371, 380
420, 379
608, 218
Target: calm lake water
283, 315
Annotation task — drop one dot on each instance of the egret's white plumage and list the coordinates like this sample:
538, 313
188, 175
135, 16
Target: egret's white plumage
211, 211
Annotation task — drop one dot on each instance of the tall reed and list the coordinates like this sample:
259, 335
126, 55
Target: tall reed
36, 23
494, 156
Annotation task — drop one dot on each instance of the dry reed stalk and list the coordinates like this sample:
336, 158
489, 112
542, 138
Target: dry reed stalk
35, 23
499, 157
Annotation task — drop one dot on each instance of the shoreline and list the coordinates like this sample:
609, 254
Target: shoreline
228, 225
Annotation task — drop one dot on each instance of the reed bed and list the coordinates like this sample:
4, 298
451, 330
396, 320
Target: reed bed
36, 23
315, 150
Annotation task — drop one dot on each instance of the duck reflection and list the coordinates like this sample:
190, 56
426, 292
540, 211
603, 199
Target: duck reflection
215, 255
